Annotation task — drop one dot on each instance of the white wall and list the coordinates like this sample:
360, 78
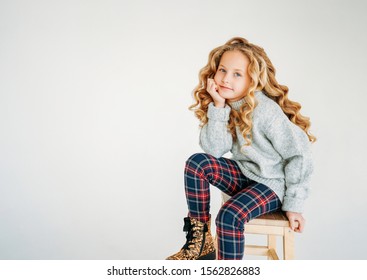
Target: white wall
95, 131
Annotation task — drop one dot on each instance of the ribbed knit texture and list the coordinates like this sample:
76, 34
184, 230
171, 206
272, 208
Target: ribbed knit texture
279, 156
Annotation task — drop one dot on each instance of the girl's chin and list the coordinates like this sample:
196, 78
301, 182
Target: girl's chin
231, 97
228, 97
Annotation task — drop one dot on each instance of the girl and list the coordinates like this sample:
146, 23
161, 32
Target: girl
243, 109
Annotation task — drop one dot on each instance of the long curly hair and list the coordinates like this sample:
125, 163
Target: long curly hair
262, 74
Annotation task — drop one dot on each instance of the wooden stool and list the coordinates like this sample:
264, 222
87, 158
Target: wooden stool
272, 225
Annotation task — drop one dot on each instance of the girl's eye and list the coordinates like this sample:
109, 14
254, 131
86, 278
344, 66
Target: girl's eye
222, 70
237, 74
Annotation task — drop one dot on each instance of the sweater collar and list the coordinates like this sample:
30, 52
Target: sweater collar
236, 105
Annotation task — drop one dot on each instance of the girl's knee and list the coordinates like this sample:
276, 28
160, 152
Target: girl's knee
229, 218
197, 158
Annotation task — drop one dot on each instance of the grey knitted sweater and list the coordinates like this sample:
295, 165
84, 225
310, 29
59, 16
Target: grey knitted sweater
279, 156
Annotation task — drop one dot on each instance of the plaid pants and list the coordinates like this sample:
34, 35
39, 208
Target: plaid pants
249, 199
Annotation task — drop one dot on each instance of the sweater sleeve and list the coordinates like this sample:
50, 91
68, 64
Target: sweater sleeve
292, 143
215, 139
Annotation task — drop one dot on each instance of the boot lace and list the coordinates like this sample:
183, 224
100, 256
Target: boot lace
191, 229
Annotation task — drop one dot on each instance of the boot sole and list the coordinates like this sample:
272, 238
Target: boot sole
210, 256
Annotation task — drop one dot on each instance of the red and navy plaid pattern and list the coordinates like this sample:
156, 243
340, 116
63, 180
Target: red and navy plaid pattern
249, 199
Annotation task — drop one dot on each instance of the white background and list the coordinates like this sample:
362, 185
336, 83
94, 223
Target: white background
95, 130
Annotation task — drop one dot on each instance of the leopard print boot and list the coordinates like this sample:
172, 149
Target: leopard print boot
199, 242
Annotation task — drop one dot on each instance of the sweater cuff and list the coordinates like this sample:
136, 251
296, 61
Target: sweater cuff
293, 204
218, 114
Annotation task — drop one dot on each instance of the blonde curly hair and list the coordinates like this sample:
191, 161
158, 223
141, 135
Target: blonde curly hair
262, 74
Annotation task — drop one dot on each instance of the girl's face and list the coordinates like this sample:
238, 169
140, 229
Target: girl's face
231, 77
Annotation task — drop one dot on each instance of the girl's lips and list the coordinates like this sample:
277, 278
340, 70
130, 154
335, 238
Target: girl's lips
226, 88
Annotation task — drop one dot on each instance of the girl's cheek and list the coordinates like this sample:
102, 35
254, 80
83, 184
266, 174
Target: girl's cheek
216, 78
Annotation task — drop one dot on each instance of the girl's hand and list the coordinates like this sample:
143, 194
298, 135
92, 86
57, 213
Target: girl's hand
296, 220
211, 88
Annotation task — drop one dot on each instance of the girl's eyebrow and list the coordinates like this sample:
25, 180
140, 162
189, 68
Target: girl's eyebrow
239, 70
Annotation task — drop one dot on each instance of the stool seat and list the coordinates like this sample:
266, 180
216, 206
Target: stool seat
271, 219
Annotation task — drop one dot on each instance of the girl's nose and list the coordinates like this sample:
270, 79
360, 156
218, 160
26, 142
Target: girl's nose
225, 79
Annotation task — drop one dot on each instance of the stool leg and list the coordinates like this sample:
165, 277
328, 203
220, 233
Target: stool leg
216, 246
288, 244
272, 244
